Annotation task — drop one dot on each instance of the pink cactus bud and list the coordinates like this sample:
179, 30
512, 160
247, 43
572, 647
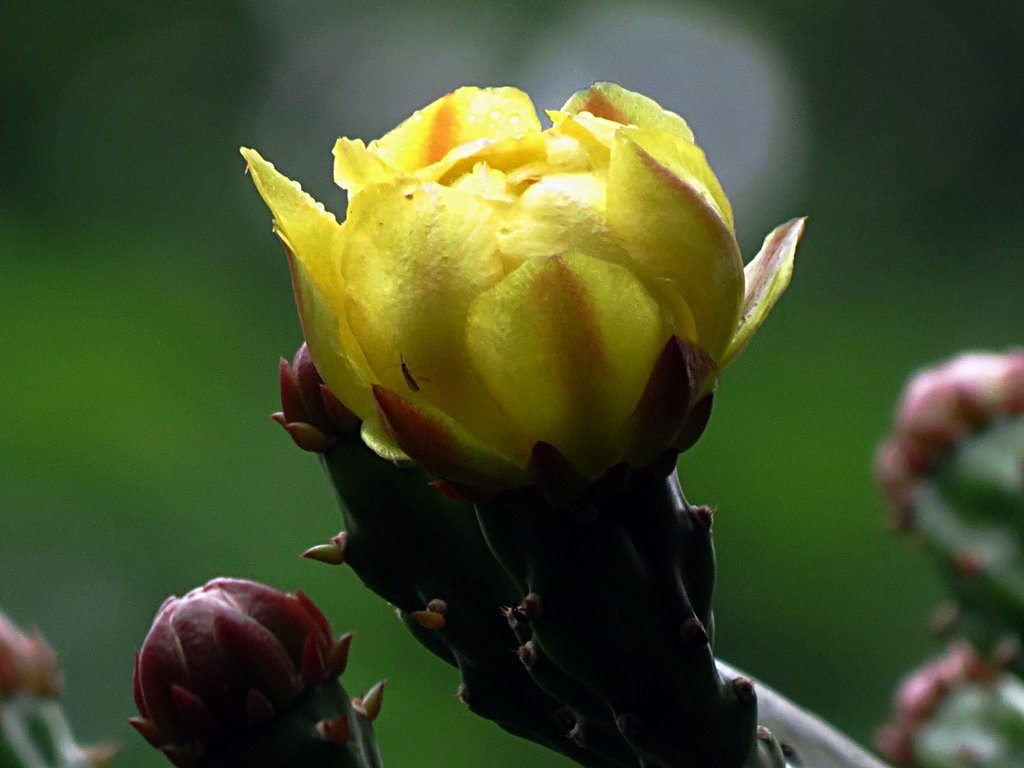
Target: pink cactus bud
921, 694
939, 407
27, 663
225, 657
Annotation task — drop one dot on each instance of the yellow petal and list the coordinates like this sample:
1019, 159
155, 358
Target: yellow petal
464, 115
415, 258
312, 238
687, 161
356, 166
674, 233
767, 276
613, 102
565, 346
557, 214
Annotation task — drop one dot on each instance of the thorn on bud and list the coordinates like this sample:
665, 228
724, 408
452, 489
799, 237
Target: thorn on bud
337, 656
566, 719
462, 693
369, 704
703, 516
148, 730
743, 689
332, 553
968, 565
429, 619
527, 653
630, 725
100, 755
693, 632
306, 436
575, 735
943, 620
529, 609
338, 731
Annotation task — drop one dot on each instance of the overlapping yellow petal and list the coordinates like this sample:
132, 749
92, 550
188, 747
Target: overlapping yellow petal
675, 233
462, 116
615, 103
312, 239
415, 258
565, 344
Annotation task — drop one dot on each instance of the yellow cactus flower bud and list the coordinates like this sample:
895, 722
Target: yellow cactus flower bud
496, 287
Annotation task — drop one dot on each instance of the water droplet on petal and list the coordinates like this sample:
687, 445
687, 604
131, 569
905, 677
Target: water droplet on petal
495, 114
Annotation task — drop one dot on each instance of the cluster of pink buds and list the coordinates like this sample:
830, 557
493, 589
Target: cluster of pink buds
940, 407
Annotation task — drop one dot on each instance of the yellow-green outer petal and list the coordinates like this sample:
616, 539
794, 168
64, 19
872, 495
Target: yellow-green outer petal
673, 233
311, 237
613, 102
565, 346
767, 276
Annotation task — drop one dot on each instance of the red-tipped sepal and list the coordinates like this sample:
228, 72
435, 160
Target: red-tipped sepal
311, 415
675, 405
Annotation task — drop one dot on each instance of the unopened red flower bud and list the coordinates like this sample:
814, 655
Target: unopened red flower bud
224, 658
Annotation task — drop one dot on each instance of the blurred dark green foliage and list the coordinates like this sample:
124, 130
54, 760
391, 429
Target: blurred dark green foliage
144, 303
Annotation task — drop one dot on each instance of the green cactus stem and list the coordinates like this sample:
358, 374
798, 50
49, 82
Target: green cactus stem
623, 613
414, 546
34, 733
606, 603
969, 513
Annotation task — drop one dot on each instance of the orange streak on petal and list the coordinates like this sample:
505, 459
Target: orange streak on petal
443, 130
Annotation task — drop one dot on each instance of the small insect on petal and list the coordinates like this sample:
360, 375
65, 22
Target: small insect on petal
414, 385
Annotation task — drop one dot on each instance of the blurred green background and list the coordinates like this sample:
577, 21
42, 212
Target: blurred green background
145, 302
